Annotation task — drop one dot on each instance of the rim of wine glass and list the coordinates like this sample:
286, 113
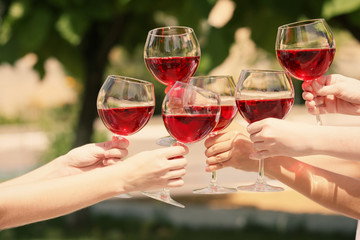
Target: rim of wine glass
153, 32
214, 77
193, 86
211, 76
129, 79
301, 23
264, 70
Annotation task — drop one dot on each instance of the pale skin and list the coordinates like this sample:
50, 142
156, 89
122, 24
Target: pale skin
333, 183
335, 186
328, 94
85, 176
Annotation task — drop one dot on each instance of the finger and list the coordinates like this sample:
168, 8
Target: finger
177, 163
218, 148
177, 173
255, 127
319, 101
111, 161
306, 86
119, 142
116, 153
219, 158
115, 143
182, 145
174, 183
174, 151
220, 137
217, 166
210, 141
324, 80
308, 96
317, 85
310, 104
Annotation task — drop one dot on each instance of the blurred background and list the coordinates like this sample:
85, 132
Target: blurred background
54, 57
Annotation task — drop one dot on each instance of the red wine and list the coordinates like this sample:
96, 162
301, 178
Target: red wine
256, 110
168, 70
306, 64
226, 116
126, 121
187, 128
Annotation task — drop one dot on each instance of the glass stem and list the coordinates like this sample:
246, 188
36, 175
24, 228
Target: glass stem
318, 120
165, 194
260, 178
213, 179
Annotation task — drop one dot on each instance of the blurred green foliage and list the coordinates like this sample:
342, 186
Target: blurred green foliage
82, 33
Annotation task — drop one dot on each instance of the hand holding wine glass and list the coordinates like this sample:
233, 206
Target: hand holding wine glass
224, 86
305, 49
189, 114
263, 94
125, 105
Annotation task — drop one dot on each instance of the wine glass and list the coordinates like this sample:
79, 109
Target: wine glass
189, 114
125, 105
171, 54
224, 86
306, 49
263, 94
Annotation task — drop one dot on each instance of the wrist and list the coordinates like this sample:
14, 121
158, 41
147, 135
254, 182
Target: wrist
60, 166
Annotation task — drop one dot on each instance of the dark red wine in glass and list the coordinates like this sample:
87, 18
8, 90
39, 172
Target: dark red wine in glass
256, 110
224, 86
263, 94
306, 64
126, 120
188, 128
227, 114
125, 105
171, 54
305, 49
168, 70
189, 114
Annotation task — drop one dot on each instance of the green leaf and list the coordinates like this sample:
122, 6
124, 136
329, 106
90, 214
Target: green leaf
339, 7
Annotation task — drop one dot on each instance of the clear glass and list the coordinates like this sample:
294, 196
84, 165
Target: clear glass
305, 49
125, 105
171, 54
224, 86
189, 114
263, 94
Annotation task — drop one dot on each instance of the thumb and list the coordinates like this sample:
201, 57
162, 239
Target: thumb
327, 90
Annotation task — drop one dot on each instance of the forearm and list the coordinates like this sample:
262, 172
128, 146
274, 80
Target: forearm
27, 203
45, 172
341, 142
335, 191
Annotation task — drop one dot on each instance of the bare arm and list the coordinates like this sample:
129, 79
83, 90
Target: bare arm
335, 191
275, 137
332, 189
30, 202
78, 160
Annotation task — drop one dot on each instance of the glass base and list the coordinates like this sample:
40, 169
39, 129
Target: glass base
214, 189
260, 186
166, 141
124, 195
164, 197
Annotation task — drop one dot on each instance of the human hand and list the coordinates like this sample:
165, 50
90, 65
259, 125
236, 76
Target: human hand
160, 168
229, 149
94, 155
332, 94
276, 137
